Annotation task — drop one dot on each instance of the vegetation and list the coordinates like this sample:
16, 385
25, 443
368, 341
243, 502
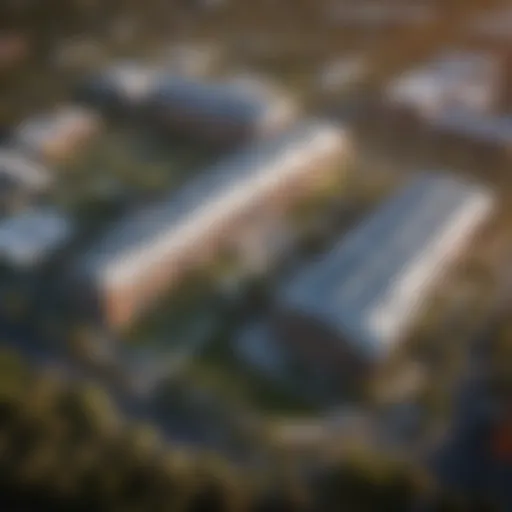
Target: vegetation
65, 447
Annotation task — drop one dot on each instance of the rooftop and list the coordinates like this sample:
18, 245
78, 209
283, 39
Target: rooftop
37, 131
27, 238
462, 78
219, 192
494, 24
16, 167
372, 283
243, 96
495, 129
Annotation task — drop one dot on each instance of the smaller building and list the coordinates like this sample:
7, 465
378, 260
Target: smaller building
336, 76
380, 15
455, 79
493, 26
194, 60
487, 137
221, 113
20, 179
124, 86
56, 135
30, 238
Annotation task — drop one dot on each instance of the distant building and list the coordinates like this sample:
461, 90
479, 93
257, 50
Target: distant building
375, 15
338, 75
352, 306
194, 60
455, 79
125, 85
29, 238
493, 26
20, 179
488, 137
141, 257
223, 113
58, 134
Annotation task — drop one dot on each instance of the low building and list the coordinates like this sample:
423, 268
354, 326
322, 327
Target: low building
461, 79
56, 135
485, 138
337, 76
30, 238
222, 113
493, 26
144, 255
351, 307
380, 15
194, 60
124, 86
20, 179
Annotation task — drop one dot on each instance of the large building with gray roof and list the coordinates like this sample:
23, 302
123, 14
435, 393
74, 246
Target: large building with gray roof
140, 257
358, 300
224, 112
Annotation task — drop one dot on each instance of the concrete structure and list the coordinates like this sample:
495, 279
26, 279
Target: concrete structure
350, 308
29, 238
467, 80
223, 113
20, 178
56, 135
141, 257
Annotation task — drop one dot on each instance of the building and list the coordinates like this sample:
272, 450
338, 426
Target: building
380, 15
194, 60
142, 256
455, 79
125, 86
486, 139
493, 27
352, 306
56, 135
28, 239
221, 113
343, 73
20, 179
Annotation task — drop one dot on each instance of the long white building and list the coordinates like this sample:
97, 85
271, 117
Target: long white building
358, 300
140, 257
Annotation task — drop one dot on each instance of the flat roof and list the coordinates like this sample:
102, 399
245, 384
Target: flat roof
142, 239
370, 286
17, 167
496, 129
27, 238
453, 72
36, 131
243, 97
496, 23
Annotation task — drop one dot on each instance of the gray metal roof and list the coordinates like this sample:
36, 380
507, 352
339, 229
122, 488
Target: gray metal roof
371, 284
27, 238
225, 190
19, 169
495, 129
245, 101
